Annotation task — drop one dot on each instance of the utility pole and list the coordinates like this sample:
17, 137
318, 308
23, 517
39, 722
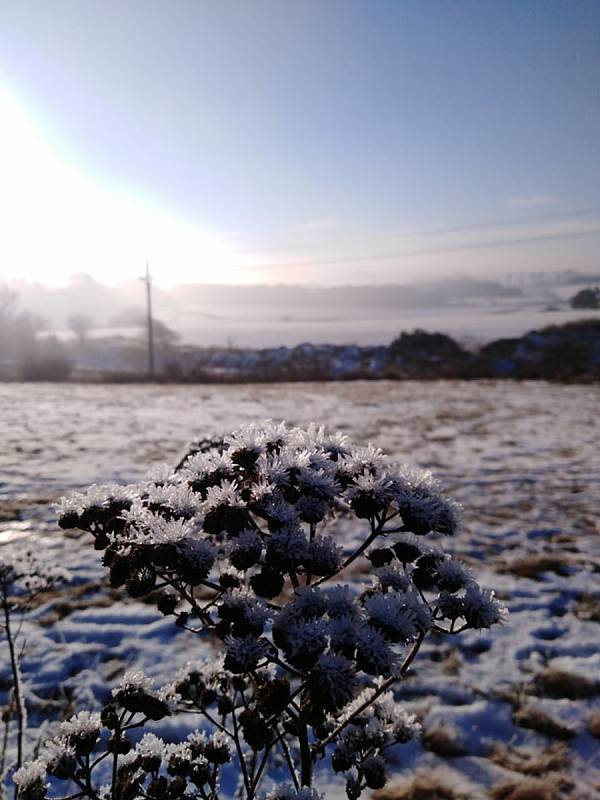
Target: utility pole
148, 281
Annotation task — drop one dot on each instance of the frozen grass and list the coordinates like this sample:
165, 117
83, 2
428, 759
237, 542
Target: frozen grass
522, 458
529, 760
437, 784
556, 786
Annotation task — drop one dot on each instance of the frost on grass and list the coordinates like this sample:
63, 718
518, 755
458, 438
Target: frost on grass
235, 543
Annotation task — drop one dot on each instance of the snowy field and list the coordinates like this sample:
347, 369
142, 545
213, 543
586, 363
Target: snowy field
473, 324
523, 460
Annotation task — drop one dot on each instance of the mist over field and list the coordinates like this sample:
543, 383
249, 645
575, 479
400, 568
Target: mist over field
471, 310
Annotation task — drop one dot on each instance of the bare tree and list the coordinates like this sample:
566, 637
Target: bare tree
80, 324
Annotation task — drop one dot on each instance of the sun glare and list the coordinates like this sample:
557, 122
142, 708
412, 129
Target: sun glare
57, 221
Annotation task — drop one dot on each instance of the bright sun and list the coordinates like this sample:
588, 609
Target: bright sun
57, 221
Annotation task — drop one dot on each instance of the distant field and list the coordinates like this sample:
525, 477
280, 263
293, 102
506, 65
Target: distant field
273, 327
522, 458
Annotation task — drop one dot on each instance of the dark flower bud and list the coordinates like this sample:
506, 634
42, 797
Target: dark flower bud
222, 629
381, 556
151, 763
425, 575
119, 744
406, 552
115, 525
167, 603
130, 790
238, 683
229, 581
62, 767
291, 493
232, 519
267, 583
273, 696
217, 753
164, 555
90, 516
177, 786
179, 766
290, 726
199, 774
101, 541
139, 701
119, 571
255, 729
207, 697
415, 520
245, 458
373, 769
365, 505
245, 557
109, 716
225, 705
141, 582
68, 520
353, 788
341, 761
158, 787
83, 742
33, 791
109, 556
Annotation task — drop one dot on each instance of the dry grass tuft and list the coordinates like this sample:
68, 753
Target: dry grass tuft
531, 761
431, 784
535, 719
555, 786
443, 740
553, 682
452, 663
532, 566
593, 724
588, 608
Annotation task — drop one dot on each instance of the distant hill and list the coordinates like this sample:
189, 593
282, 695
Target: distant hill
387, 296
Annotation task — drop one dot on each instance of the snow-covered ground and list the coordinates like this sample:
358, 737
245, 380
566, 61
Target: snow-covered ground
521, 457
474, 324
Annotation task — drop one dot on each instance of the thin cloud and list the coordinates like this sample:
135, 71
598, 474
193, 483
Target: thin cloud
480, 240
532, 201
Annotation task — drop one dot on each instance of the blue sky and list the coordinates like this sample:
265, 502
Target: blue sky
330, 141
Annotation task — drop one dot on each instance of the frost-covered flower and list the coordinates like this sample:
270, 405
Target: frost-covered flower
243, 654
373, 653
85, 723
245, 538
30, 775
393, 615
246, 550
452, 575
324, 556
287, 549
332, 681
481, 609
309, 602
393, 577
287, 791
341, 602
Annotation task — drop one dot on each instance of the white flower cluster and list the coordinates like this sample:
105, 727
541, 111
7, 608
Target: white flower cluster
287, 791
239, 539
24, 573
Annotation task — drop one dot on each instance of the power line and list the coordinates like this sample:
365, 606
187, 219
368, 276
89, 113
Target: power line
148, 281
482, 245
435, 231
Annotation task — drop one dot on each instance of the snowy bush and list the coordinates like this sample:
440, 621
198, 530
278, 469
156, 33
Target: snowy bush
24, 575
241, 542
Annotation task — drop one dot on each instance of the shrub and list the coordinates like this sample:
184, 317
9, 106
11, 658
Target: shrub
237, 542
